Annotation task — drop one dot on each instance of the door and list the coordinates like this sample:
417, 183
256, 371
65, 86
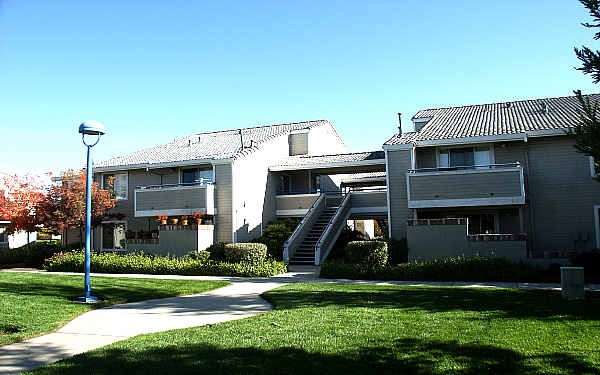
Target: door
113, 235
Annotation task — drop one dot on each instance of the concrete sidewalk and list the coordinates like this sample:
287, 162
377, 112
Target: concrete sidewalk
239, 300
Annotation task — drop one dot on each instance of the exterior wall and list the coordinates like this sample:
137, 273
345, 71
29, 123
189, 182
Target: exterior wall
323, 140
181, 241
424, 244
171, 199
398, 163
296, 202
467, 184
223, 203
252, 180
369, 199
562, 194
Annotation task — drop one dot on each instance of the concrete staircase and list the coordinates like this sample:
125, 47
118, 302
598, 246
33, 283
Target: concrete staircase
305, 254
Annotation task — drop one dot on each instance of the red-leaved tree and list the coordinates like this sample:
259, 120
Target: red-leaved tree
19, 200
63, 205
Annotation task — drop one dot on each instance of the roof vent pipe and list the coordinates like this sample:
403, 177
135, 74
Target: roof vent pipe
241, 139
399, 123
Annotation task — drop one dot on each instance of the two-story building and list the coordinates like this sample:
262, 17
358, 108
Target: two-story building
499, 178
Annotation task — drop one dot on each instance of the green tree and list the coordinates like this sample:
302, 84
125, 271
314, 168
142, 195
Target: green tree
587, 132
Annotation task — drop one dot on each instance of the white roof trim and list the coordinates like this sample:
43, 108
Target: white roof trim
162, 165
360, 163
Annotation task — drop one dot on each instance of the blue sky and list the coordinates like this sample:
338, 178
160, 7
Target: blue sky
152, 71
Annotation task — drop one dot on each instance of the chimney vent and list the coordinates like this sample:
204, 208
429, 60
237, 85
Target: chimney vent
241, 139
399, 123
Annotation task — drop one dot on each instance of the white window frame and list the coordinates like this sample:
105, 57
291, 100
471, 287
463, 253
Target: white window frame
126, 184
593, 172
472, 146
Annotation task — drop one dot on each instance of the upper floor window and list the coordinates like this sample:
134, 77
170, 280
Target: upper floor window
118, 185
465, 157
196, 175
594, 167
285, 184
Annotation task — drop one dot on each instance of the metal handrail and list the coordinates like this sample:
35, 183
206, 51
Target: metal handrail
308, 214
463, 167
328, 228
200, 183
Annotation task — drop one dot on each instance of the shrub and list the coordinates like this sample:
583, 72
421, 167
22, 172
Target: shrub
397, 251
370, 253
245, 252
217, 251
477, 269
201, 255
590, 261
140, 263
347, 235
275, 234
33, 254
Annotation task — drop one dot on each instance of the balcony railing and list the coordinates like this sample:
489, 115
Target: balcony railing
175, 199
479, 185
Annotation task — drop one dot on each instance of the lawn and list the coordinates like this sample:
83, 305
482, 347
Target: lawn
358, 329
33, 303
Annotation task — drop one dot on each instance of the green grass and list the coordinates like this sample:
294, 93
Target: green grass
358, 329
32, 304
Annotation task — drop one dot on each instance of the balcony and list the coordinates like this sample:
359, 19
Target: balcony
295, 204
174, 199
481, 185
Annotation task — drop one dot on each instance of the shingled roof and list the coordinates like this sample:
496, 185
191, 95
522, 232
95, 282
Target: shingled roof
213, 145
494, 119
316, 160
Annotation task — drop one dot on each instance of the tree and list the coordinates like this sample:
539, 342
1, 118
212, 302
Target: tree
63, 205
19, 199
587, 132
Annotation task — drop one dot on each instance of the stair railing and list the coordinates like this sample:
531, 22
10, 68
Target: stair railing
304, 226
333, 230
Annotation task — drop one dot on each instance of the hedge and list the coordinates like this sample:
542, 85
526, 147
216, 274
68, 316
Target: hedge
33, 254
477, 269
245, 252
140, 263
590, 261
369, 253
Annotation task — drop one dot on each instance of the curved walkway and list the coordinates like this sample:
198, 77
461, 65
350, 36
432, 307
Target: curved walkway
105, 326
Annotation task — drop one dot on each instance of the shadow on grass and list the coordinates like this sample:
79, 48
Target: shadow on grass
408, 356
501, 303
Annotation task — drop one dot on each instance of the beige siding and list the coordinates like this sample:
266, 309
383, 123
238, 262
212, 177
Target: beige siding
193, 197
471, 184
253, 207
399, 163
562, 195
291, 202
369, 199
323, 140
298, 144
223, 203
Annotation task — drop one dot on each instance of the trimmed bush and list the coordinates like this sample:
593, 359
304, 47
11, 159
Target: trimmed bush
347, 235
370, 253
217, 251
33, 254
245, 252
140, 263
477, 269
275, 234
201, 255
590, 261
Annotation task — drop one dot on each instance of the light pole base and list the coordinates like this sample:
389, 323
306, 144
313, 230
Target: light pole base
89, 299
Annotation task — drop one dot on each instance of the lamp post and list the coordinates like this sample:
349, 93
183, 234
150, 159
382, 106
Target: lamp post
91, 128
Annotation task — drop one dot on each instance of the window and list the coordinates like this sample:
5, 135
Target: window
113, 235
465, 157
594, 167
3, 235
285, 183
118, 185
196, 175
